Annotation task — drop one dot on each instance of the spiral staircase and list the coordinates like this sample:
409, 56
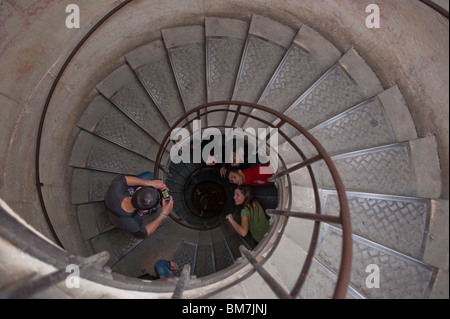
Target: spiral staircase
216, 72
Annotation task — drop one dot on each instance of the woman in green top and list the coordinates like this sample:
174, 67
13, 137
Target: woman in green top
253, 218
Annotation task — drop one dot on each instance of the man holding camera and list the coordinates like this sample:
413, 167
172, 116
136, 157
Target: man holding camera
130, 197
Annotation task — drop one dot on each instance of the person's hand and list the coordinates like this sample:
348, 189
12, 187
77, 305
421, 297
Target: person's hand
158, 184
167, 207
173, 265
211, 161
229, 217
223, 171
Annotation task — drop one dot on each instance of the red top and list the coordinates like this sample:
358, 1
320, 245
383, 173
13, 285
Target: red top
258, 175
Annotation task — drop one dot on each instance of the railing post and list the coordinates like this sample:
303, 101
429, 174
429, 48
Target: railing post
182, 281
35, 285
273, 284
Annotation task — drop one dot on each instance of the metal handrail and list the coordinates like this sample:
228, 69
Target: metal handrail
344, 217
58, 77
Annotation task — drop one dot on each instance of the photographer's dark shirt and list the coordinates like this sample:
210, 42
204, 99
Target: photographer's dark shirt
132, 222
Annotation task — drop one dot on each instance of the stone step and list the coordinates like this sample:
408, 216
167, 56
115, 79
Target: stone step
395, 169
93, 219
309, 56
267, 43
186, 254
225, 40
321, 282
106, 121
400, 276
396, 222
124, 90
205, 263
91, 152
186, 49
372, 123
90, 186
119, 243
152, 66
349, 82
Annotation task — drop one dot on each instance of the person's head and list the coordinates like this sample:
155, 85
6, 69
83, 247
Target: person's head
236, 176
243, 196
145, 198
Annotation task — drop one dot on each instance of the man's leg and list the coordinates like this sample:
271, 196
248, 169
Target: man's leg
162, 268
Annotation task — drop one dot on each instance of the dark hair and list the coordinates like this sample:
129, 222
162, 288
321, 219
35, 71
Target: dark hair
145, 198
231, 169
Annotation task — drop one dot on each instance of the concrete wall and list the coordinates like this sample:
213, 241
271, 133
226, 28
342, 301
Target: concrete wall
410, 49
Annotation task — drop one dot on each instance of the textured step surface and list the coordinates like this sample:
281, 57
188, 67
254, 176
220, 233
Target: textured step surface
266, 44
387, 169
399, 275
124, 90
321, 282
308, 57
95, 153
400, 223
106, 121
225, 40
93, 219
186, 49
346, 84
90, 186
368, 124
152, 66
117, 242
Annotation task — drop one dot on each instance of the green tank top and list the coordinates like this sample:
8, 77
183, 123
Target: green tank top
258, 223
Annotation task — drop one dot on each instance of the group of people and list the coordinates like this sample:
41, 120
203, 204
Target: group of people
129, 198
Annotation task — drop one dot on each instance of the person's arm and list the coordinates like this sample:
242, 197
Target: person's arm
166, 210
135, 181
241, 229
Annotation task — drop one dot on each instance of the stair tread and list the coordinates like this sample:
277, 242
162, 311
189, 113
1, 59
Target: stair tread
105, 120
95, 153
186, 50
90, 186
334, 92
117, 242
123, 89
321, 282
225, 40
362, 126
308, 57
388, 169
398, 222
266, 44
395, 269
152, 66
93, 219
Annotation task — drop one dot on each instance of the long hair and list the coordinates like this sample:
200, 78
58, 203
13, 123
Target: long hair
250, 201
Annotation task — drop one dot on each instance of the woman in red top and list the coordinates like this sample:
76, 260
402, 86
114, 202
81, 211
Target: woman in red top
253, 176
